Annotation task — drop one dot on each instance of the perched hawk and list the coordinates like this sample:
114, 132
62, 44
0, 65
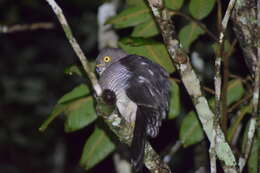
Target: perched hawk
142, 91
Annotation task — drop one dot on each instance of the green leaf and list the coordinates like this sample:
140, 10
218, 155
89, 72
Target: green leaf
155, 51
245, 138
175, 100
253, 160
77, 106
235, 91
131, 16
216, 48
200, 9
97, 147
79, 114
57, 110
135, 2
78, 92
173, 4
191, 131
234, 125
146, 29
188, 34
80, 110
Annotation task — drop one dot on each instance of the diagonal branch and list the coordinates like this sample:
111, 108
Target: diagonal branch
217, 83
124, 131
75, 45
218, 79
115, 122
246, 19
192, 84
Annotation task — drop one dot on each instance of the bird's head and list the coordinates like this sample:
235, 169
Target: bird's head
107, 57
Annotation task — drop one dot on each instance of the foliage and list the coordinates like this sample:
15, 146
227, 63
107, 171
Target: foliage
97, 147
143, 40
139, 34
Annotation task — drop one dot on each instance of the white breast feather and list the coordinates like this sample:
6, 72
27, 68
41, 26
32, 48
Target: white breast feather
126, 107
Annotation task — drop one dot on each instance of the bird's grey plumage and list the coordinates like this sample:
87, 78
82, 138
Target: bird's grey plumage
111, 53
142, 92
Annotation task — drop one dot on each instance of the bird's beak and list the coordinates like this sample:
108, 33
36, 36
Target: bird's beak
99, 68
100, 65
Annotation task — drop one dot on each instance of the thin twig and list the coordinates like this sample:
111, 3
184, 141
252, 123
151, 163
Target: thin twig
240, 114
217, 81
241, 101
244, 80
25, 27
225, 86
217, 84
168, 157
192, 19
250, 137
75, 45
219, 14
227, 14
207, 89
232, 49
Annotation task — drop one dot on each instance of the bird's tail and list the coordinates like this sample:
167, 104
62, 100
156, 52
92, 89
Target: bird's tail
139, 138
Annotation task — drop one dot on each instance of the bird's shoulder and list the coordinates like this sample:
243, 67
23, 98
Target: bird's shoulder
148, 81
142, 65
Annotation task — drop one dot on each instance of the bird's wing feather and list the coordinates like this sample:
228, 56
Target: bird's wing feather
148, 86
148, 80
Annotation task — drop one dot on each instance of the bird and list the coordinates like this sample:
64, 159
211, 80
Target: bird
142, 92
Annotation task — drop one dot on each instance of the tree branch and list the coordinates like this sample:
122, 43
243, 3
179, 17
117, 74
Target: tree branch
217, 84
124, 132
169, 153
220, 56
192, 84
224, 118
17, 28
209, 90
65, 26
246, 19
219, 14
116, 123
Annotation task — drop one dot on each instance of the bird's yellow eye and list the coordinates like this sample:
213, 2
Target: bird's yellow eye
106, 59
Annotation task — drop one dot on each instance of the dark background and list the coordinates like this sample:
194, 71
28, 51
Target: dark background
32, 80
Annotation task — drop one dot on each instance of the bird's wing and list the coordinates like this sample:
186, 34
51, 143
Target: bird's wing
148, 87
